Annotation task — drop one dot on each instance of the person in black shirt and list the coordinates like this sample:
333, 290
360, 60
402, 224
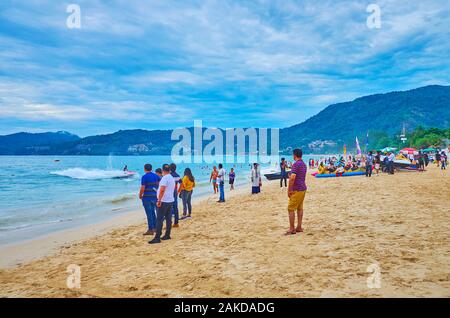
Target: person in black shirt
283, 166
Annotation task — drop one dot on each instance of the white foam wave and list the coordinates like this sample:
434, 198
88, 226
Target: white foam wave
92, 174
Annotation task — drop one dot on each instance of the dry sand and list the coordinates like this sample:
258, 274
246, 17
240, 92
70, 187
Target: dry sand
236, 249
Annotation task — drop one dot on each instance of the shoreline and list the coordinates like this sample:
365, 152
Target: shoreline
27, 250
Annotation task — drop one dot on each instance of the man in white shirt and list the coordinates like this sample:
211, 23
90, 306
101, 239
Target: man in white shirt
164, 204
391, 159
221, 180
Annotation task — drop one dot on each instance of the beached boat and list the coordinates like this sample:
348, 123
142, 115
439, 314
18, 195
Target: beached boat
345, 174
272, 174
400, 164
275, 175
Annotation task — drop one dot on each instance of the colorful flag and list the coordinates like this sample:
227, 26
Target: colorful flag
345, 151
366, 145
358, 149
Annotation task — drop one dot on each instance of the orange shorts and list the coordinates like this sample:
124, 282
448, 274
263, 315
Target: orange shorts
296, 201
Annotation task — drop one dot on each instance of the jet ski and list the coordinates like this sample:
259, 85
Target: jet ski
126, 174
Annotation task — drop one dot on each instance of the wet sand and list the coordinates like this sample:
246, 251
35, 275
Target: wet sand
399, 224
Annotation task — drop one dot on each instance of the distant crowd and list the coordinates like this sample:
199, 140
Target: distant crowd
376, 162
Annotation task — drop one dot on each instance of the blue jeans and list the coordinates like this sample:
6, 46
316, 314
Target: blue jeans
150, 208
283, 177
186, 196
221, 191
175, 209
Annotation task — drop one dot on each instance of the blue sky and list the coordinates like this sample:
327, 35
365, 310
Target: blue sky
162, 64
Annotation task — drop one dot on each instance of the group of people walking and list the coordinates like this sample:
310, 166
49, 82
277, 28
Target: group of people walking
159, 193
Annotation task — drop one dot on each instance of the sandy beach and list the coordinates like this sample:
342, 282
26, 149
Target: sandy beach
399, 224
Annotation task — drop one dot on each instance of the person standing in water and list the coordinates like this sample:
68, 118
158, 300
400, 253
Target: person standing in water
231, 177
283, 166
186, 188
296, 192
147, 193
164, 204
213, 178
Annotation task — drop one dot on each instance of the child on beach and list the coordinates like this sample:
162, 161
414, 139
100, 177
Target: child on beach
186, 188
213, 178
231, 177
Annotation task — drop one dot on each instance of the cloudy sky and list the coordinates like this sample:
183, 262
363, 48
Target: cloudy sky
162, 64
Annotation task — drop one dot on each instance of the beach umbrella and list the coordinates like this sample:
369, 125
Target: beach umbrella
388, 149
409, 151
429, 150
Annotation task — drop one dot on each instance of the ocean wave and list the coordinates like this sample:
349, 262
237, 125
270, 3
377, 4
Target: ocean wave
92, 174
122, 198
5, 227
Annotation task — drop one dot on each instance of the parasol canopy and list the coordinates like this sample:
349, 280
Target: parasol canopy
409, 151
429, 150
388, 149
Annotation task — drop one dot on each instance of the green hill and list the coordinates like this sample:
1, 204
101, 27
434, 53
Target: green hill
381, 115
34, 143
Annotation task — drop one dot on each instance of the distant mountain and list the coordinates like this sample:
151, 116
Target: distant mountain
33, 143
380, 115
123, 142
